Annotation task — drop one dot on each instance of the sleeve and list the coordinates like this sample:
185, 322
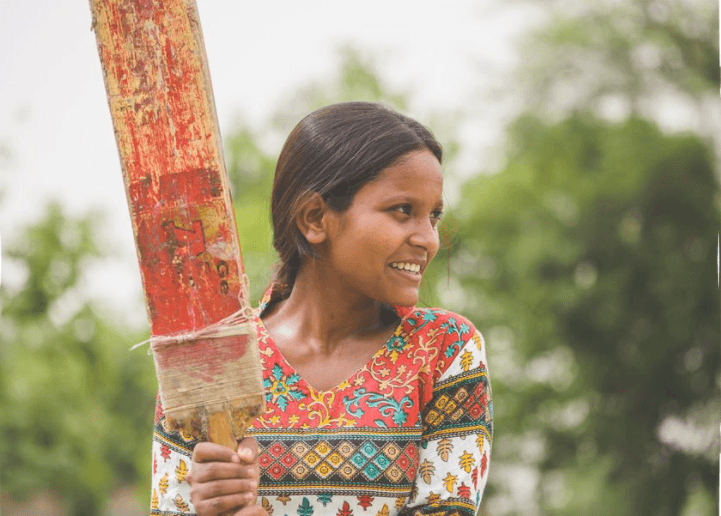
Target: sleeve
172, 452
457, 431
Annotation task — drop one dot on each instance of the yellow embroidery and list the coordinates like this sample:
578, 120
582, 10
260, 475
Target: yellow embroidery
180, 503
319, 409
449, 482
466, 360
467, 462
383, 511
477, 338
266, 505
426, 470
181, 471
444, 448
163, 484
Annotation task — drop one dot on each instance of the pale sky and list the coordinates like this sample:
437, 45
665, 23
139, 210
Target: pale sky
55, 121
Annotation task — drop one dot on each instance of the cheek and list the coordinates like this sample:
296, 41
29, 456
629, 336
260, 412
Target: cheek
378, 242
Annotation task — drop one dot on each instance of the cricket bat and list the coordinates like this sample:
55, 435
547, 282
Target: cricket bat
166, 128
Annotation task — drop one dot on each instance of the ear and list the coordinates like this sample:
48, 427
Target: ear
312, 219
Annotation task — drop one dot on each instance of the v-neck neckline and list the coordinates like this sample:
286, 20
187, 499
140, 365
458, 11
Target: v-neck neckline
401, 311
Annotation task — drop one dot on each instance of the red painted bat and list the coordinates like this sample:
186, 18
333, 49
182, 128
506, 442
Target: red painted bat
158, 86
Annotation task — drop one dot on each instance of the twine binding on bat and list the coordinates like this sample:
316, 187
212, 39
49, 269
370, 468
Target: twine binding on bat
226, 327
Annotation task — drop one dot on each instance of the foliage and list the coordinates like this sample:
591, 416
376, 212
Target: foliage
635, 53
74, 403
589, 261
357, 80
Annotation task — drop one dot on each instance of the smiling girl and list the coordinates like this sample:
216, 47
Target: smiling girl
373, 406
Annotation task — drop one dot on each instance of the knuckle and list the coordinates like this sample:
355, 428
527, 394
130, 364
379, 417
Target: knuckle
251, 472
201, 507
199, 450
218, 505
207, 472
214, 491
199, 473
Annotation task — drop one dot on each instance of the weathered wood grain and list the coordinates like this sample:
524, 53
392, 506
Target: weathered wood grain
160, 97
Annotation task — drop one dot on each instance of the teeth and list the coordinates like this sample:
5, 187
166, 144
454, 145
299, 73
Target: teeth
410, 267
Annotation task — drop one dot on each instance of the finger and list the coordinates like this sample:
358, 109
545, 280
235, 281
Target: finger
211, 452
221, 488
247, 450
209, 471
223, 504
251, 510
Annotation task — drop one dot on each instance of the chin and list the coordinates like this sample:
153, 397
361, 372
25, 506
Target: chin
410, 299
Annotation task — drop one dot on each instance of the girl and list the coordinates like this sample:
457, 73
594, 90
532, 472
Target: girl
373, 406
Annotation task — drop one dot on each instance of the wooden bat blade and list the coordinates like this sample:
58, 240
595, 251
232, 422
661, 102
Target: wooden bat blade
158, 86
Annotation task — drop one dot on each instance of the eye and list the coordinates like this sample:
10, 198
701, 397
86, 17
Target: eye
402, 208
436, 217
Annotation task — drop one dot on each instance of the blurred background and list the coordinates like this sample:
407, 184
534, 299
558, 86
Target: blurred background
582, 178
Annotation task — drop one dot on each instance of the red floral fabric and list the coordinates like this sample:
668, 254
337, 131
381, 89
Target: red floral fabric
408, 433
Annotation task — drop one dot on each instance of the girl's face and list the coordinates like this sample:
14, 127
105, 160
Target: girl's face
381, 245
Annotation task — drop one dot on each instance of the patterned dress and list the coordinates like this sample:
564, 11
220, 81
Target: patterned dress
407, 434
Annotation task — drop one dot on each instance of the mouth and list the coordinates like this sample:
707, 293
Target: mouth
411, 271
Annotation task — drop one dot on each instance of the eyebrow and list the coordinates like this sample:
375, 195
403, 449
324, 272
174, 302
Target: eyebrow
407, 198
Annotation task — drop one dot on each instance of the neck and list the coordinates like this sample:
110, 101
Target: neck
323, 312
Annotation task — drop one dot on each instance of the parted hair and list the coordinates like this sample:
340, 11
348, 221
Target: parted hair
333, 152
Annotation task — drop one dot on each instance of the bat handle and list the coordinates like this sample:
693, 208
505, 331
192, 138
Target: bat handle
220, 431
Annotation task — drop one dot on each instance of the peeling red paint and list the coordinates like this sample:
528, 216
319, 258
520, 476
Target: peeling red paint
178, 193
177, 187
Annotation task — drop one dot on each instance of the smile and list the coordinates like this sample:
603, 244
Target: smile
413, 268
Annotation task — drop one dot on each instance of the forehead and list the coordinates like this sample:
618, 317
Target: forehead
417, 174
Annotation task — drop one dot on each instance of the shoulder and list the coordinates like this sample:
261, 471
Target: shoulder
452, 328
449, 337
416, 316
455, 386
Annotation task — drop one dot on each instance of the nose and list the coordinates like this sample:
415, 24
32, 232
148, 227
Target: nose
425, 235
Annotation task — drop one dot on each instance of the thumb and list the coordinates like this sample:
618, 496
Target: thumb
247, 449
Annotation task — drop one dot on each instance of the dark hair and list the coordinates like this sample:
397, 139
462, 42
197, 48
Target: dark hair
334, 151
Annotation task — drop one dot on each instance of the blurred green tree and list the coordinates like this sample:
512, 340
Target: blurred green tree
590, 260
75, 405
627, 57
